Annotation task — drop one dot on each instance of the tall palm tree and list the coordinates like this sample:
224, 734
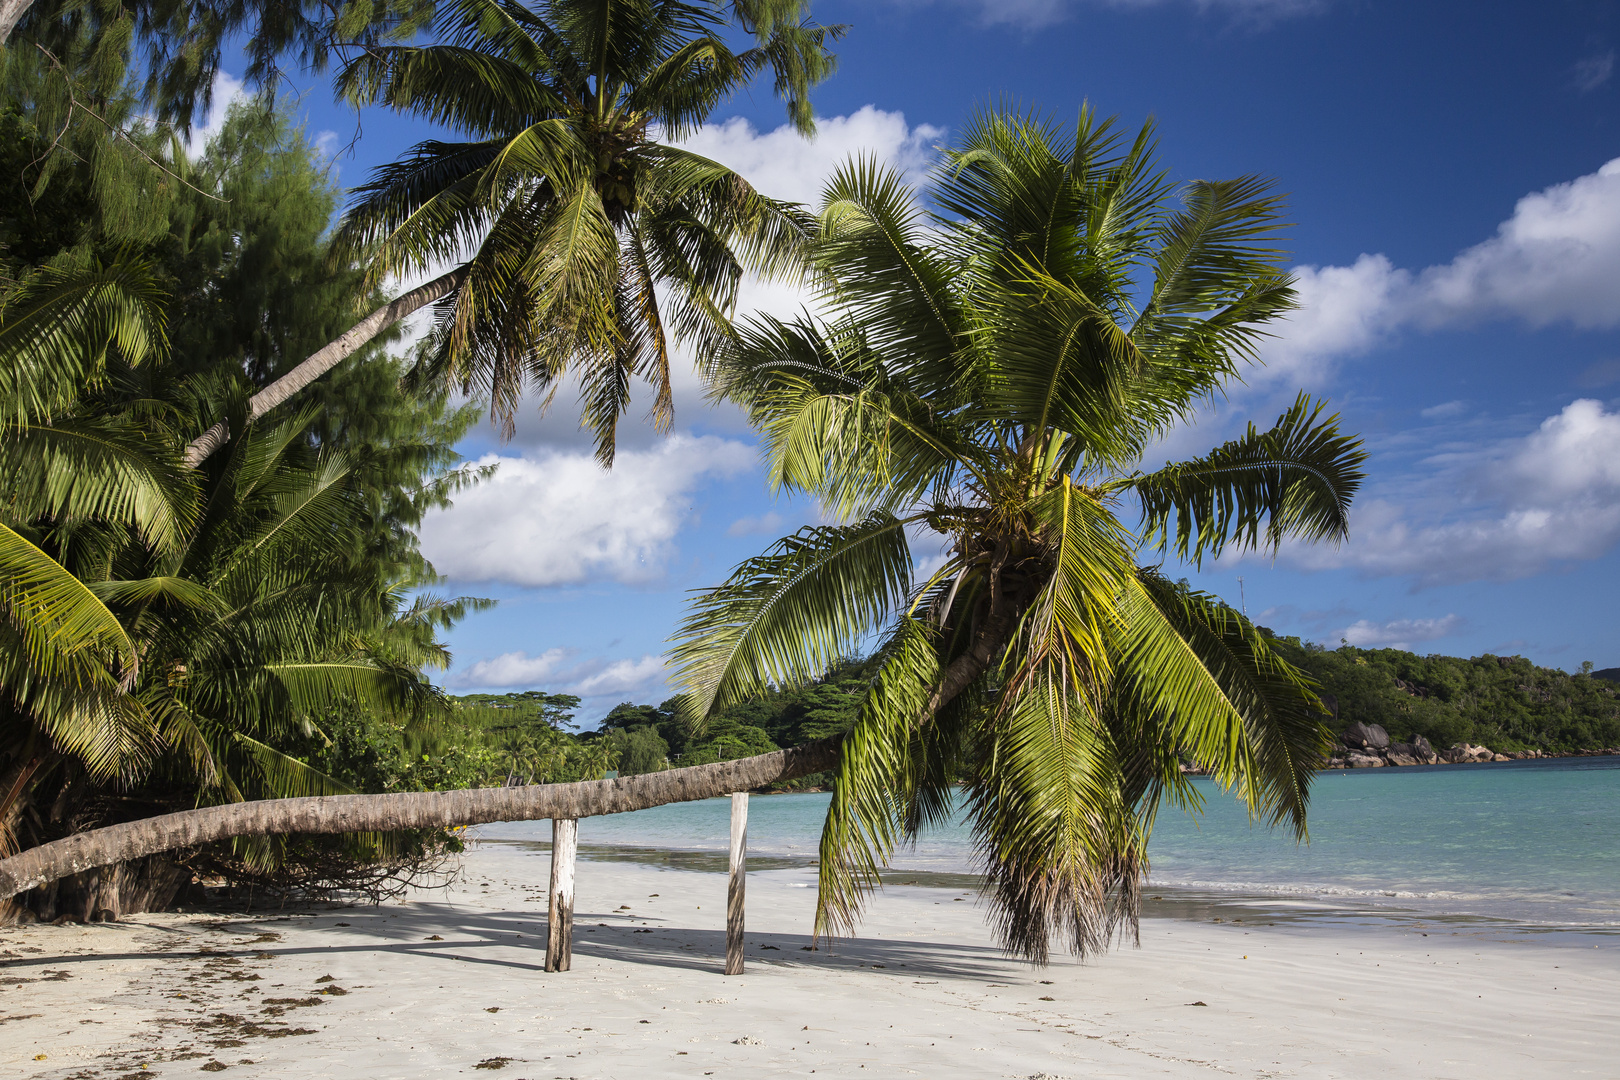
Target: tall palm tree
579, 238
988, 379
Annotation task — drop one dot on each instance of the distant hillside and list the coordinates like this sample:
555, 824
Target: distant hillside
1504, 702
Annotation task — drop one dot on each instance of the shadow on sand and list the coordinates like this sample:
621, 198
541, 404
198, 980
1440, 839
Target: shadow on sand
516, 940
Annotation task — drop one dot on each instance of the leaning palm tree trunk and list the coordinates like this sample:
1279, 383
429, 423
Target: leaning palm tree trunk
11, 13
325, 359
414, 810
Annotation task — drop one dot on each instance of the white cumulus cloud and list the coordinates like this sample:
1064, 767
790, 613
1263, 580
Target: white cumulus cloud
621, 678
1343, 311
227, 90
556, 517
1556, 260
511, 669
786, 165
1399, 633
557, 671
1515, 508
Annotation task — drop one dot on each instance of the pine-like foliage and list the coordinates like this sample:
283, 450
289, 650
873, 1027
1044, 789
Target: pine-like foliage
173, 635
989, 377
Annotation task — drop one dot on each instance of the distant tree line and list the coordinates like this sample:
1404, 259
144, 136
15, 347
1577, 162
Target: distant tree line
1504, 702
523, 738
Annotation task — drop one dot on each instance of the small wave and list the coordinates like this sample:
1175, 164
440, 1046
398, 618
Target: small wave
1271, 888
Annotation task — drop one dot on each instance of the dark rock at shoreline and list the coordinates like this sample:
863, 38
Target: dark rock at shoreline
1417, 752
1365, 737
1465, 753
1420, 752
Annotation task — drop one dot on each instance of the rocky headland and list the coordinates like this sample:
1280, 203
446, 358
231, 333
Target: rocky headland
1368, 746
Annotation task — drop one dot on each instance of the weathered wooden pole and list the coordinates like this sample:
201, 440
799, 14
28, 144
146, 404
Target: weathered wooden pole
738, 883
560, 900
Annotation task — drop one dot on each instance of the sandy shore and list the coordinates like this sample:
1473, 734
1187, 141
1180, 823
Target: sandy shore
451, 983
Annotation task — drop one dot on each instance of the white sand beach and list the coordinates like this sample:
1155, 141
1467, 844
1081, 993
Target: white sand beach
451, 983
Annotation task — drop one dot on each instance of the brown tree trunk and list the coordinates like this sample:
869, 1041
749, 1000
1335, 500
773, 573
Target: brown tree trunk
989, 642
108, 893
325, 359
412, 810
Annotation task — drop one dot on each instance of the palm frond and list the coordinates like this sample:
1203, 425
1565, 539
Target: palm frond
835, 423
62, 619
284, 776
1295, 480
786, 616
1265, 733
58, 327
883, 273
88, 469
868, 811
474, 89
1060, 847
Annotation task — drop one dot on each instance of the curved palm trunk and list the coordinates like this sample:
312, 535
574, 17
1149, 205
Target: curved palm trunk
991, 639
414, 810
325, 359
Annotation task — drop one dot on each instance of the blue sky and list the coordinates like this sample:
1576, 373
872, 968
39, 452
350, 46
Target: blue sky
1458, 245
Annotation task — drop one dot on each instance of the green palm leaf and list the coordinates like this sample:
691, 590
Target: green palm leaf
786, 616
868, 811
85, 469
990, 377
58, 328
1295, 480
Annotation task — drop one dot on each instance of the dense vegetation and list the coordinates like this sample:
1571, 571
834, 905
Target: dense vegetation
265, 601
1504, 702
174, 635
777, 718
523, 737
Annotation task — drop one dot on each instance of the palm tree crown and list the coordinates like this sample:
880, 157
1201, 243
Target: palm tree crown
594, 246
990, 376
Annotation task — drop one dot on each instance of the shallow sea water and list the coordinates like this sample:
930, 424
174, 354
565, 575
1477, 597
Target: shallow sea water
1534, 844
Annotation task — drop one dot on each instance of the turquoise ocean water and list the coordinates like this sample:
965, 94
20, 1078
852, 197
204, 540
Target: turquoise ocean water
1536, 843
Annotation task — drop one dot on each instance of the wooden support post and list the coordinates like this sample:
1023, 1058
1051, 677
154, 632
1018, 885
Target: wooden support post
738, 884
560, 899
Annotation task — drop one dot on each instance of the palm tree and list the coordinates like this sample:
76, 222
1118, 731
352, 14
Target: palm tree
579, 241
988, 379
991, 376
157, 622
162, 630
67, 663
